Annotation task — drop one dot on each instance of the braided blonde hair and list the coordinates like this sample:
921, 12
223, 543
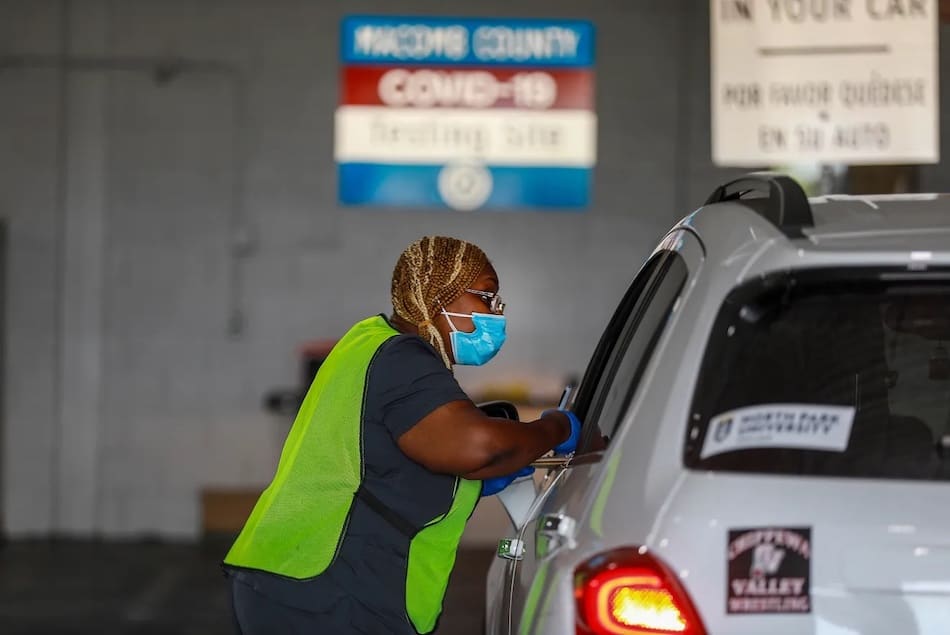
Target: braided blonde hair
431, 273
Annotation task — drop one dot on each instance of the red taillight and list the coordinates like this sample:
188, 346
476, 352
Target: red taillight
626, 592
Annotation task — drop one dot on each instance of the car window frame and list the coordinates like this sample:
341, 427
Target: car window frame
609, 338
671, 268
646, 335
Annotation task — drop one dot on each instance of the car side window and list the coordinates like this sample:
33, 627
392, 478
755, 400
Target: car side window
595, 373
633, 350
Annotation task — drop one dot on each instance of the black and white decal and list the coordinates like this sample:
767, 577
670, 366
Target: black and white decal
769, 570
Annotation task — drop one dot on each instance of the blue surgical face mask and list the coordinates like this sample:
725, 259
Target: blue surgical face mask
479, 346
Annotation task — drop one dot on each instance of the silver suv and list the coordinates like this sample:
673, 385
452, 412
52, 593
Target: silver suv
767, 434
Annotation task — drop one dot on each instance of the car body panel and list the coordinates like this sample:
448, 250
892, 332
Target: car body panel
569, 494
891, 549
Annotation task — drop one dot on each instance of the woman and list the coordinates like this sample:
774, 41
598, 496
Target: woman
385, 462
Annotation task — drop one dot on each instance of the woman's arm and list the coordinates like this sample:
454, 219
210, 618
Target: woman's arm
458, 438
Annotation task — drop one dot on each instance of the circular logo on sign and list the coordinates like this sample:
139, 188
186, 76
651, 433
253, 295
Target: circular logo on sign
465, 186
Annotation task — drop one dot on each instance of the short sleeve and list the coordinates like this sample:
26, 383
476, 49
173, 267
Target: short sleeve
406, 382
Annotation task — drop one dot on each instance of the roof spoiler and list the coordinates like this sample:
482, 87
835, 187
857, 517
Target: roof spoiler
787, 205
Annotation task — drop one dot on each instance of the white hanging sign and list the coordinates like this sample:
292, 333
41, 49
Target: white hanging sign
836, 81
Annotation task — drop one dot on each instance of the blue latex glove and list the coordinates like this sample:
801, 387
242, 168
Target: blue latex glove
570, 444
491, 486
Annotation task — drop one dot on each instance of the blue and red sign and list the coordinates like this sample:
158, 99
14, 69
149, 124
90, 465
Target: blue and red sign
466, 114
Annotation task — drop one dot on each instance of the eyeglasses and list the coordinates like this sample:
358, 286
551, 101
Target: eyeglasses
493, 300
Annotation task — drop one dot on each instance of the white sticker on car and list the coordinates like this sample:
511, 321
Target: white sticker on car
798, 426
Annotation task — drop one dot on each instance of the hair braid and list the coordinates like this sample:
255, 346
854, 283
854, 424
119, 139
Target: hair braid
430, 273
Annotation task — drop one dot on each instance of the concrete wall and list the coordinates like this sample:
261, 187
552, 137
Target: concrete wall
31, 204
174, 237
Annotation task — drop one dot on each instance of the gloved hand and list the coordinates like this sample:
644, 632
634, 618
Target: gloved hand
569, 445
491, 486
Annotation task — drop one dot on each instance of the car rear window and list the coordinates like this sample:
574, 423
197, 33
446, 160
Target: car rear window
836, 373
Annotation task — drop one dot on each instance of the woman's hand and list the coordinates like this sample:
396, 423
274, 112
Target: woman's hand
458, 438
491, 486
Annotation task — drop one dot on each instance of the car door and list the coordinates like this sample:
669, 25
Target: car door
615, 369
579, 403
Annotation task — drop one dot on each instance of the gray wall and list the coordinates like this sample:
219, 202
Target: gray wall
172, 242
